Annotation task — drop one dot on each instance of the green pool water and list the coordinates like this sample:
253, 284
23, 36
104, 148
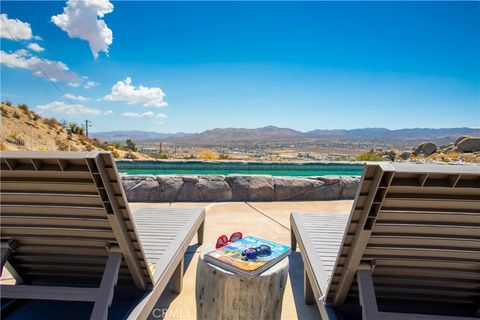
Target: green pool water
222, 168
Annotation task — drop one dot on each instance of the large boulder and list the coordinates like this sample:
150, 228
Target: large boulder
426, 149
469, 144
168, 188
405, 155
349, 187
214, 188
239, 184
289, 188
190, 191
460, 139
261, 188
251, 188
141, 191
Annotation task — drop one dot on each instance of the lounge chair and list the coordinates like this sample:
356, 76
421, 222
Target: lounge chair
410, 248
67, 233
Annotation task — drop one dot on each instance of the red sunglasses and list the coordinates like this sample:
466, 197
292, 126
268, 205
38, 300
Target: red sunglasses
223, 240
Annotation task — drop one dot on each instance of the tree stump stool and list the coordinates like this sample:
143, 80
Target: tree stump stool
221, 294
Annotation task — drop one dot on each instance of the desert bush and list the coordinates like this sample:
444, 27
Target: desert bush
453, 155
4, 112
16, 115
34, 115
24, 108
15, 139
13, 135
471, 158
51, 122
130, 155
223, 157
368, 156
115, 152
130, 145
207, 155
8, 103
75, 128
83, 139
62, 145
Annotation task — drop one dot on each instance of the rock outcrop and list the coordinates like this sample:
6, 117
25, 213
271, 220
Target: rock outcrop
171, 188
468, 144
426, 149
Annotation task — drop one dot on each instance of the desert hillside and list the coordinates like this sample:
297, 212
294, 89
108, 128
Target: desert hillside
24, 129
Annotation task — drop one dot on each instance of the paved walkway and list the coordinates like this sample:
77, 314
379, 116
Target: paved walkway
270, 220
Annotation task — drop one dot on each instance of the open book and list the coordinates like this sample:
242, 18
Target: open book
230, 257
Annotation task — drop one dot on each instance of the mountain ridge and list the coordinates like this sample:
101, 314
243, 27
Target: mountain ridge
273, 133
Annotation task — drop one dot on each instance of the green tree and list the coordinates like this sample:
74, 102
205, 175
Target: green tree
131, 145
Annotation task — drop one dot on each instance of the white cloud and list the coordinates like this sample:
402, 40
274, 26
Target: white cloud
53, 70
73, 97
71, 109
90, 84
147, 114
73, 84
82, 19
35, 47
138, 115
14, 29
148, 96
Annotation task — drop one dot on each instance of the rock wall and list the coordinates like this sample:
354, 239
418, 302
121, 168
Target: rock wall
215, 188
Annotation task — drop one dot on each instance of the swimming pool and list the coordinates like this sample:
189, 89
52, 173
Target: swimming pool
159, 167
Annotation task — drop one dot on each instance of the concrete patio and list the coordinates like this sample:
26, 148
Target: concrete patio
269, 220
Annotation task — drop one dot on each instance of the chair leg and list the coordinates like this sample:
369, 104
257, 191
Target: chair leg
200, 233
307, 289
177, 278
107, 285
293, 240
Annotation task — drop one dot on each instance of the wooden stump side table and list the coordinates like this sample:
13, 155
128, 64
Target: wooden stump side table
221, 294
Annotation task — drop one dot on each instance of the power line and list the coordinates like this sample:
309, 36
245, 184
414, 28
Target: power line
72, 103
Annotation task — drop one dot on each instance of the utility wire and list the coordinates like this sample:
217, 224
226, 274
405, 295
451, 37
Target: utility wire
48, 78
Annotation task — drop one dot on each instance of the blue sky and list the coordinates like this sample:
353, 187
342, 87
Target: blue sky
309, 65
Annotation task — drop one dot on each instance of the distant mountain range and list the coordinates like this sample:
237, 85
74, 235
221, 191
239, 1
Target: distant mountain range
272, 133
135, 135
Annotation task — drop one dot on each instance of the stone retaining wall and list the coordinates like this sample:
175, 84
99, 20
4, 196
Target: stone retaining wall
215, 188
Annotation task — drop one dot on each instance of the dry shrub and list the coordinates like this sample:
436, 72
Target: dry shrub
51, 122
24, 108
453, 155
62, 145
34, 115
115, 152
5, 147
4, 112
130, 155
207, 155
16, 115
471, 158
368, 156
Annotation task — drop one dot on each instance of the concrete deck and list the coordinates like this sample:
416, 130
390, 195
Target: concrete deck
270, 220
